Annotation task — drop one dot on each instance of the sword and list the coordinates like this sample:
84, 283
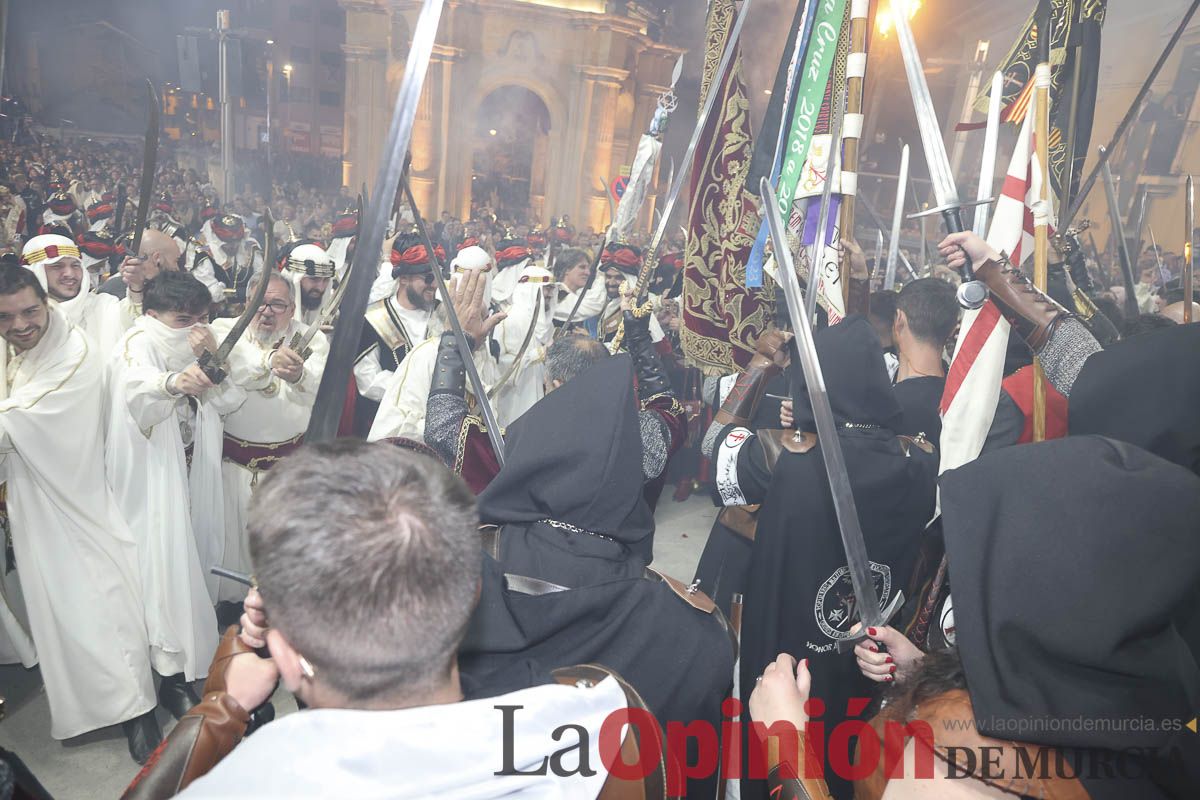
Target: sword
878, 258
878, 223
119, 213
460, 338
301, 340
234, 575
213, 364
149, 160
512, 369
972, 293
987, 168
857, 562
815, 278
331, 395
1188, 250
889, 278
1163, 275
1118, 229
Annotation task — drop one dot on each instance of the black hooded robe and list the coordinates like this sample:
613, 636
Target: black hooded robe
575, 460
798, 598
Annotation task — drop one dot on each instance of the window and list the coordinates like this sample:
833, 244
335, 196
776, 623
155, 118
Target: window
301, 55
332, 17
301, 13
331, 58
300, 94
331, 98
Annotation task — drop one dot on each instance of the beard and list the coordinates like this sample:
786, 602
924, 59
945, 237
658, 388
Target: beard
417, 299
311, 301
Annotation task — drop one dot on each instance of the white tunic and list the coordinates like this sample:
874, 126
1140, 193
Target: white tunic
77, 558
402, 410
526, 385
275, 411
407, 753
177, 514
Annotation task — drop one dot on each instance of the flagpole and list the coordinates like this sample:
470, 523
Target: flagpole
852, 125
1041, 233
1075, 52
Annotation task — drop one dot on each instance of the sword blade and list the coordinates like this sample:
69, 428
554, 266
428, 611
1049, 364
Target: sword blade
331, 395
944, 188
149, 162
857, 562
889, 278
464, 348
1118, 230
987, 168
1189, 250
816, 272
668, 207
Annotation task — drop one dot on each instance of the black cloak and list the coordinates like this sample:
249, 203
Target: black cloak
1072, 561
1145, 391
576, 458
921, 398
798, 597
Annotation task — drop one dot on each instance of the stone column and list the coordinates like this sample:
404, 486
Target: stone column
366, 102
603, 84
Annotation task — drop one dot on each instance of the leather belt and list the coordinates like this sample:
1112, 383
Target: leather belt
256, 456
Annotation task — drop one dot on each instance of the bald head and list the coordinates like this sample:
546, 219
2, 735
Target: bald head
160, 251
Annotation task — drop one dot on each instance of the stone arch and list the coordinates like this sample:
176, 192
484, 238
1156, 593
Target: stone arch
543, 192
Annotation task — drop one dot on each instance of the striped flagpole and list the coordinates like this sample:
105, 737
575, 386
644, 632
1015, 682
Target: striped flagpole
1041, 251
852, 125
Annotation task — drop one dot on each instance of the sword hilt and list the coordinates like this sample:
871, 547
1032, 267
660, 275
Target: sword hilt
886, 615
211, 371
971, 293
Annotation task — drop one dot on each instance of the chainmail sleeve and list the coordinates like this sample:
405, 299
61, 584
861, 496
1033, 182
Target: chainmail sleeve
444, 416
656, 444
1063, 356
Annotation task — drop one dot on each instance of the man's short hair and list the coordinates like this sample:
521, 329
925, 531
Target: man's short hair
14, 278
176, 291
570, 355
883, 305
1144, 323
368, 559
931, 309
567, 259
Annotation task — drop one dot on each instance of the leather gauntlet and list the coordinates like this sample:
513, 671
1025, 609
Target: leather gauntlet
449, 372
651, 377
1032, 313
769, 360
204, 736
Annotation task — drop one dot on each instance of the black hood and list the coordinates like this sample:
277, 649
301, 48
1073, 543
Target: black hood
1144, 391
1072, 562
855, 378
576, 457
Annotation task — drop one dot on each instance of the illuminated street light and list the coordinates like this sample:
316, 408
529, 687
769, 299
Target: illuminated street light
885, 19
492, 132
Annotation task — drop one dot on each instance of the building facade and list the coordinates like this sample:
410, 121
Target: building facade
597, 68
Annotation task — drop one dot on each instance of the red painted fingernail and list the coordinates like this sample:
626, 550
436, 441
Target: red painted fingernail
891, 677
893, 667
887, 660
870, 631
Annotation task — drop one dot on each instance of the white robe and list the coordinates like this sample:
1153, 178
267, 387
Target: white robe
402, 410
594, 301
274, 411
176, 514
101, 316
77, 559
449, 751
527, 383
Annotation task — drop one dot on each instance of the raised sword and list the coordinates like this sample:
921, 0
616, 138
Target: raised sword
857, 562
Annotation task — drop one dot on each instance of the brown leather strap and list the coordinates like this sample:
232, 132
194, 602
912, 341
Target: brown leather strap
230, 645
653, 785
775, 441
490, 536
907, 443
204, 736
743, 399
742, 520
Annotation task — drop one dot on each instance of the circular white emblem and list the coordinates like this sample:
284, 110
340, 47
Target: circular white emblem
835, 605
947, 620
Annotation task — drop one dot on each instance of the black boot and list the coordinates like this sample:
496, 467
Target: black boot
176, 695
143, 735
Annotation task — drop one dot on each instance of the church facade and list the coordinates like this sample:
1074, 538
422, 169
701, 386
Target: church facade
593, 70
